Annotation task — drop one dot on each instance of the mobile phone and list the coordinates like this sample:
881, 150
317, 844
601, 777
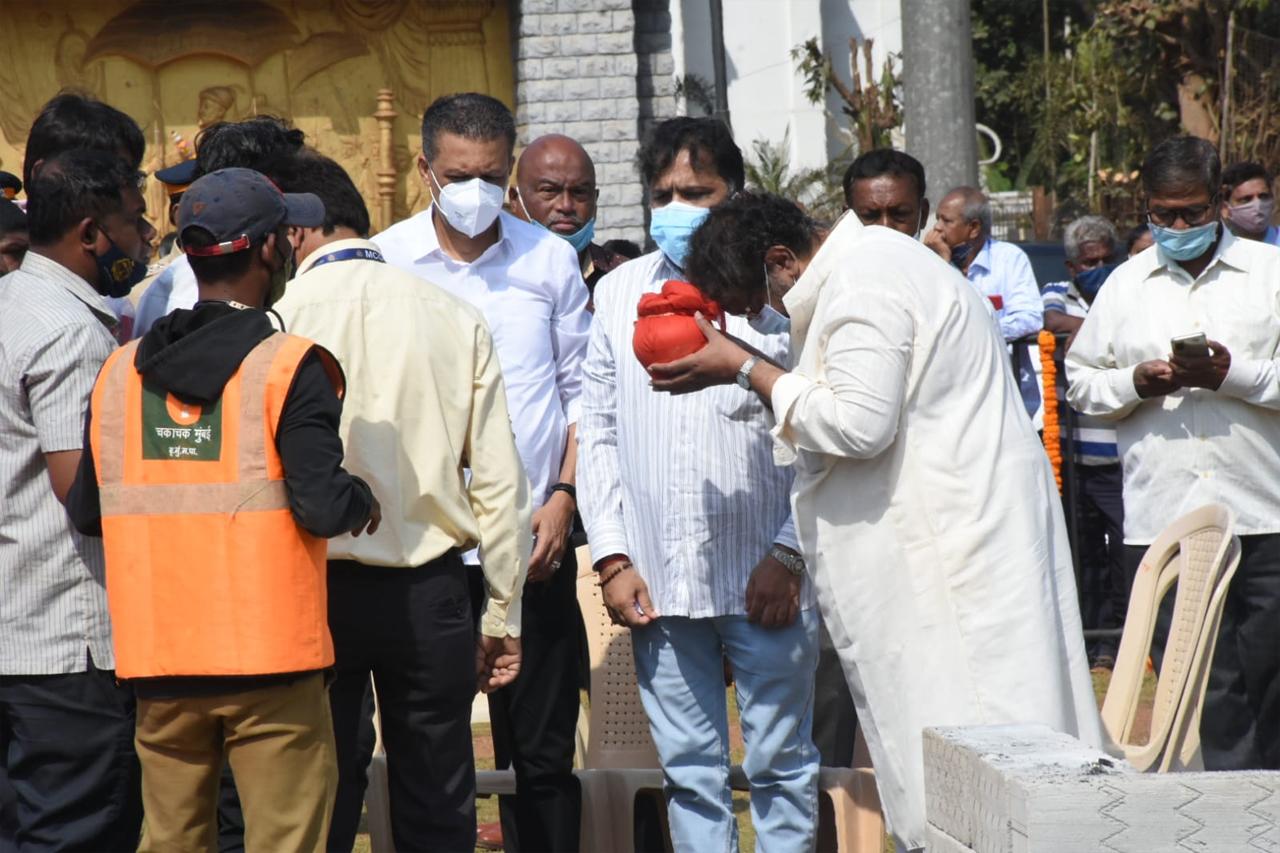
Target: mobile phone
1190, 346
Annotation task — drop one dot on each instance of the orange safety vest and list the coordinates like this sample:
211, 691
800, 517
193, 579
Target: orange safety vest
208, 573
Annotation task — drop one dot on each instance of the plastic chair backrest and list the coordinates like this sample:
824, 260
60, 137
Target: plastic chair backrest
618, 734
1199, 553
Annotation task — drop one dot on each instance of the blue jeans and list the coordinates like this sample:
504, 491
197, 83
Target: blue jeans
681, 678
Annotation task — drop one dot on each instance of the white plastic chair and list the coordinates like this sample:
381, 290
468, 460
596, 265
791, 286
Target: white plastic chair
1200, 553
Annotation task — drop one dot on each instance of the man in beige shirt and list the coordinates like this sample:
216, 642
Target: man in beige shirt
425, 403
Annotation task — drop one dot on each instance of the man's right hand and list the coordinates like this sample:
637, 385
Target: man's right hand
626, 598
1154, 379
370, 525
497, 662
934, 240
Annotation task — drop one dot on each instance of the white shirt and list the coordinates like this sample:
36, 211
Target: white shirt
529, 288
174, 288
683, 485
424, 396
1194, 446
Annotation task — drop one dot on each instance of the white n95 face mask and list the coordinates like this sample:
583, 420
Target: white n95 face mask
470, 206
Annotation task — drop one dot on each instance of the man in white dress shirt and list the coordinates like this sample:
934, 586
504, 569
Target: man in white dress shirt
1199, 429
939, 553
527, 284
690, 527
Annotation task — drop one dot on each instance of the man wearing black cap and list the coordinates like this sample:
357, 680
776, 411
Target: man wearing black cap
10, 185
214, 477
14, 237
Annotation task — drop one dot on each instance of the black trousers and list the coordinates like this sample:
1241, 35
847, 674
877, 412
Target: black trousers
534, 719
411, 628
1240, 726
1104, 595
835, 719
67, 748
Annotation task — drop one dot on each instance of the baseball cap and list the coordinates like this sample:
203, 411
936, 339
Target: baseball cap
240, 207
177, 178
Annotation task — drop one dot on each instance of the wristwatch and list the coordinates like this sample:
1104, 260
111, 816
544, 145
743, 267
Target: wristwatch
793, 562
744, 373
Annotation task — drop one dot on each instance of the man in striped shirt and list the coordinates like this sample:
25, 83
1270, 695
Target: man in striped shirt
66, 726
689, 523
1092, 245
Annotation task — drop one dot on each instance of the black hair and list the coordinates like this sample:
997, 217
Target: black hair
214, 268
11, 217
470, 115
883, 161
1181, 163
312, 172
261, 143
627, 248
73, 121
707, 138
1239, 173
73, 186
1134, 235
726, 254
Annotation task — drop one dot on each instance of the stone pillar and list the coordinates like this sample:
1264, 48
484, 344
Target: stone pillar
578, 72
937, 68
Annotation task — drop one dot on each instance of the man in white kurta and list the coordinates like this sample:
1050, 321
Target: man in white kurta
925, 506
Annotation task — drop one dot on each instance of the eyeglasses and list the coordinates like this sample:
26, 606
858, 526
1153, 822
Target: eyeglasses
1194, 214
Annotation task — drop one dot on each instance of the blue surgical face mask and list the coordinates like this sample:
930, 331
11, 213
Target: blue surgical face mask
769, 320
1090, 281
1185, 245
117, 272
672, 226
960, 254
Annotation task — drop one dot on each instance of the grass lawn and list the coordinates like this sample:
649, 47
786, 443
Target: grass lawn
487, 808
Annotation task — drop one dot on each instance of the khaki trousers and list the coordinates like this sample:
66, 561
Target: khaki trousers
279, 742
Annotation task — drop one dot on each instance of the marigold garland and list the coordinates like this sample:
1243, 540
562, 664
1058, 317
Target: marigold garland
1052, 429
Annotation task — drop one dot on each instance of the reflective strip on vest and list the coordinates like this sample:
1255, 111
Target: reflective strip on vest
193, 498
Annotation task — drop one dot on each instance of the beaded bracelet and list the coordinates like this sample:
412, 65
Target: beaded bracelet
622, 567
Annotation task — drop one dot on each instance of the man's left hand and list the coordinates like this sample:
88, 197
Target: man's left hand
717, 363
773, 594
1202, 371
552, 524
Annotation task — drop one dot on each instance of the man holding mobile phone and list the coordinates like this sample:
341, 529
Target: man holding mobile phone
1180, 349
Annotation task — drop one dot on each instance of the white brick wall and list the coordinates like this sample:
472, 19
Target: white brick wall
578, 73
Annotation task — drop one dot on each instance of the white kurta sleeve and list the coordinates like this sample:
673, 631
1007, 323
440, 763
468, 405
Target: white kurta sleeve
853, 409
1098, 384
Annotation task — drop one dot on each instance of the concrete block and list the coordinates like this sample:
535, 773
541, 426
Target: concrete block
626, 64
575, 5
581, 88
534, 91
603, 152
533, 7
614, 43
611, 131
529, 69
624, 21
559, 24
1023, 789
595, 22
617, 87
559, 68
611, 108
581, 45
564, 111
597, 5
596, 66
585, 132
533, 47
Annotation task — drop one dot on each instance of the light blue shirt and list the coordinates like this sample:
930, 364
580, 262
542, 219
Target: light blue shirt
1272, 236
1002, 269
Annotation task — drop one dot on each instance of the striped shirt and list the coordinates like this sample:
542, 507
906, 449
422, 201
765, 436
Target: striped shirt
55, 333
1094, 438
684, 485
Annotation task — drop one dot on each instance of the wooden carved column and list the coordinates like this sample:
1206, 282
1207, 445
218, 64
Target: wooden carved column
386, 116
